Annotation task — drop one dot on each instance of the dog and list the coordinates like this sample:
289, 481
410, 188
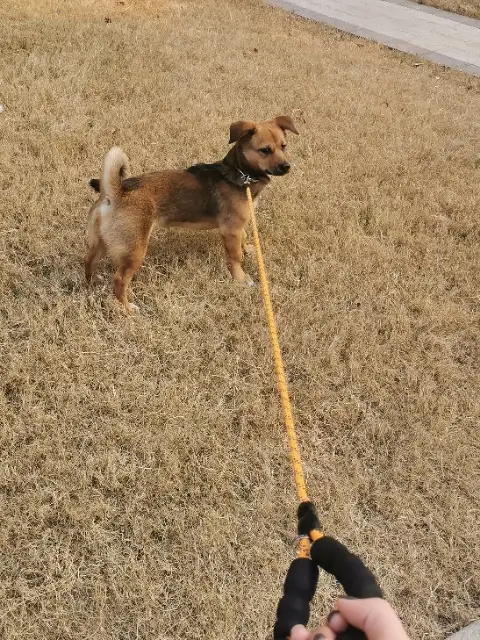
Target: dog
204, 196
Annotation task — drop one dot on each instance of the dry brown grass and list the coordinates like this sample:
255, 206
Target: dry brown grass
145, 485
470, 8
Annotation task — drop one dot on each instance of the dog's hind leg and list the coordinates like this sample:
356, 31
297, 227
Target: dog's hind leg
127, 268
95, 253
247, 248
96, 247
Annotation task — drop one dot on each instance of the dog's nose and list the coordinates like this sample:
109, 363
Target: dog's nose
284, 167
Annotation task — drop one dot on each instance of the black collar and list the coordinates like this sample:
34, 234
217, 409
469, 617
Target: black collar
231, 174
246, 179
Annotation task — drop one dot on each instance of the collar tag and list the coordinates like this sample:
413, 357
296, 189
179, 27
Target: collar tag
246, 179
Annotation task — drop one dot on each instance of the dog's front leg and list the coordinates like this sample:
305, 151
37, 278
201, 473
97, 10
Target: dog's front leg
233, 241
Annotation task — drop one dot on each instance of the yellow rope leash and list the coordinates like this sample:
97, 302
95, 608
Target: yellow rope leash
304, 544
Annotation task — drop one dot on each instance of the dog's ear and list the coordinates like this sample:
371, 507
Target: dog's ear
241, 128
95, 184
285, 123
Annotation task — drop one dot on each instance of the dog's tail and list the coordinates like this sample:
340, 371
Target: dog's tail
116, 169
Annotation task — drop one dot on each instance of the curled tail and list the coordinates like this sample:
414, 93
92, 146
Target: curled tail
115, 169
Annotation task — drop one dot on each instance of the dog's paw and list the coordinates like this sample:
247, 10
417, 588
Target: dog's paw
240, 276
132, 309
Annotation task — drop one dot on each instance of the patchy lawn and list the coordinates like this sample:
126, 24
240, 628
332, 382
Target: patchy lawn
470, 8
145, 487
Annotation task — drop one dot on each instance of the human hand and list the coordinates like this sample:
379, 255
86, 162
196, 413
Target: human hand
374, 616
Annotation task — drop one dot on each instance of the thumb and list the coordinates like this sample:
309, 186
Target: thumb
299, 633
374, 616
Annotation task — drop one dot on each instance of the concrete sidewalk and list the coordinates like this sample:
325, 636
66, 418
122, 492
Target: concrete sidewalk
472, 632
443, 37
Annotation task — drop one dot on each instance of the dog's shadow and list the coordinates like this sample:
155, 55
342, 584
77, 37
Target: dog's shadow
173, 251
171, 248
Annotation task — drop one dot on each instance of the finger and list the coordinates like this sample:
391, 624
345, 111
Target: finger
323, 633
299, 633
337, 622
374, 616
357, 611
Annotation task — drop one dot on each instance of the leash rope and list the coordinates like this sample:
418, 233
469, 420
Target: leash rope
299, 477
301, 581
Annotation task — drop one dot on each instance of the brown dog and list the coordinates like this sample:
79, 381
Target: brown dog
205, 196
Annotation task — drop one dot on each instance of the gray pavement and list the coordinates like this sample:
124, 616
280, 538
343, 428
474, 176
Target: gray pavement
472, 632
446, 38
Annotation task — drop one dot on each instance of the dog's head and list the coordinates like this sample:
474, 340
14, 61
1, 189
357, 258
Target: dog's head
263, 144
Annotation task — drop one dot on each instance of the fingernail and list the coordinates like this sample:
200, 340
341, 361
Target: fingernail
347, 598
331, 614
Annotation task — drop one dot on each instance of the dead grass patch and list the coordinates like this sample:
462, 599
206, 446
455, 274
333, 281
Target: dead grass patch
145, 489
470, 8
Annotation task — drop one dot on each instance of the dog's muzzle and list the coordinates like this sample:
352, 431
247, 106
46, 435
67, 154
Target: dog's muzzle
281, 169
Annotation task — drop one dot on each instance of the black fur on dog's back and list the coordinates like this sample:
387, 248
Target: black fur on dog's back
129, 184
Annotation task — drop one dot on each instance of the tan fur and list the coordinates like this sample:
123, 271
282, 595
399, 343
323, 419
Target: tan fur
115, 168
120, 222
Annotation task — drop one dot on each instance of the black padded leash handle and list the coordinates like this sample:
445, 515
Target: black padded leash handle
298, 590
334, 557
352, 633
356, 579
301, 581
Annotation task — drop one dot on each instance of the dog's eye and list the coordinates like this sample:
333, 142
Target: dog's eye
266, 151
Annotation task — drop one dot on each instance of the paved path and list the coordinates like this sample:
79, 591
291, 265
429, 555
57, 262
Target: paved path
443, 37
472, 632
